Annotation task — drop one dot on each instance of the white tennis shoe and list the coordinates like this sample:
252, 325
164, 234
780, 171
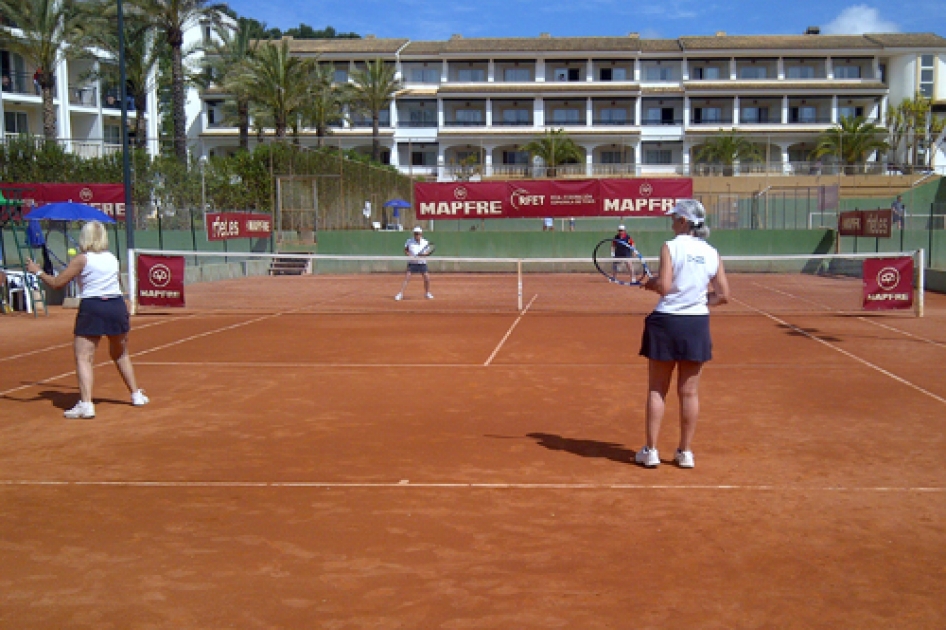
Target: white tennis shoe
429, 296
398, 297
648, 457
138, 398
83, 410
684, 459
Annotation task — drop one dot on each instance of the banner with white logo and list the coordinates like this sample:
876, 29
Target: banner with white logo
222, 226
161, 280
619, 198
888, 283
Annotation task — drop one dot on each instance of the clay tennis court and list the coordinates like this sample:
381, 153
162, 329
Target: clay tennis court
319, 456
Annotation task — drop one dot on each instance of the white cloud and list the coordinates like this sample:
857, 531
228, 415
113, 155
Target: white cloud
859, 19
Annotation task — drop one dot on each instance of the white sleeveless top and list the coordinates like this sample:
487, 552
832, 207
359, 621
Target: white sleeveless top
99, 277
695, 262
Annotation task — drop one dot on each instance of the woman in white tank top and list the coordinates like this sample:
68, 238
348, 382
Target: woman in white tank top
102, 312
676, 335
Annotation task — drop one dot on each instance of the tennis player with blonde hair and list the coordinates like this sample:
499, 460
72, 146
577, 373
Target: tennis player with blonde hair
677, 332
102, 312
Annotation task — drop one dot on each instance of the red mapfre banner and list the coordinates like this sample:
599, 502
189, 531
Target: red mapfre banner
876, 223
888, 283
160, 280
222, 226
109, 198
550, 198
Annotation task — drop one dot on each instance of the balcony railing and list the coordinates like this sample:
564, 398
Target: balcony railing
19, 83
512, 123
727, 120
366, 124
608, 122
464, 123
811, 120
657, 123
84, 96
416, 124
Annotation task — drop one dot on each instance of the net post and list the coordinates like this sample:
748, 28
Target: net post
519, 282
133, 280
921, 282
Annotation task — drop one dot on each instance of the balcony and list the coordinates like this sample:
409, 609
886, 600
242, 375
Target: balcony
810, 120
84, 96
19, 83
417, 124
611, 122
711, 122
464, 123
512, 123
662, 122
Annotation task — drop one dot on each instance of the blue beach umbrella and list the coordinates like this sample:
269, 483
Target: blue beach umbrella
397, 203
68, 211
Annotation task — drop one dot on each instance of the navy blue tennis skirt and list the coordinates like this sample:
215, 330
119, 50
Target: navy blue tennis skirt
417, 267
677, 338
102, 316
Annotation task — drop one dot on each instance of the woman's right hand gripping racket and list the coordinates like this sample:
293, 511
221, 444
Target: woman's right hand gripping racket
428, 250
620, 263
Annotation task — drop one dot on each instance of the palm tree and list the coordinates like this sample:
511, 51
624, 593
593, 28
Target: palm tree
224, 63
142, 53
851, 140
371, 91
47, 28
727, 149
327, 106
280, 84
172, 18
554, 149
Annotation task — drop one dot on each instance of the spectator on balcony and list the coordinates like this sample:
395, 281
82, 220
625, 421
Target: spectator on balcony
899, 211
36, 78
7, 84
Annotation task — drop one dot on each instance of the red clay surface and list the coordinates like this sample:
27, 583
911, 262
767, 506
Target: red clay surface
400, 465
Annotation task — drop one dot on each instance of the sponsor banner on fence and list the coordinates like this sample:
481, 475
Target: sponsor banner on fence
873, 223
160, 280
549, 198
222, 226
109, 198
888, 283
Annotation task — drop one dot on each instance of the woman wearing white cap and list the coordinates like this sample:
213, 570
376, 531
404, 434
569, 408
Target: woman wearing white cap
676, 333
416, 248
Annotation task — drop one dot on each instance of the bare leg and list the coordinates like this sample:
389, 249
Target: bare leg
426, 282
688, 389
659, 375
85, 358
118, 350
407, 278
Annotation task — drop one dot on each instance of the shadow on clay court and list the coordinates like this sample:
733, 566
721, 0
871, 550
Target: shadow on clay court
814, 332
66, 399
584, 448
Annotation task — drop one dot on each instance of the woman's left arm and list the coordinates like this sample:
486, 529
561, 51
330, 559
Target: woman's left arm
663, 281
75, 267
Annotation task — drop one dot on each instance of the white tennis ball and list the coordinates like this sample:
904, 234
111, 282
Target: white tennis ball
71, 251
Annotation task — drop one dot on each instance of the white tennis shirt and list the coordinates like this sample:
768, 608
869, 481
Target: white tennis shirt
415, 248
99, 277
695, 262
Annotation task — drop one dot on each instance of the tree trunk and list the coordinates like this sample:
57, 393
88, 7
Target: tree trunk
141, 103
49, 110
177, 100
243, 115
375, 136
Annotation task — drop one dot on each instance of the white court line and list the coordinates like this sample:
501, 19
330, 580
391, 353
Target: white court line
260, 365
473, 486
69, 344
850, 355
859, 317
509, 332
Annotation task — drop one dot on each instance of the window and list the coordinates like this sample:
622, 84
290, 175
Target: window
471, 75
516, 116
422, 117
659, 73
658, 156
566, 116
468, 157
112, 134
16, 122
752, 115
752, 72
517, 75
612, 157
850, 111
613, 74
425, 75
706, 74
707, 115
341, 76
614, 116
926, 75
469, 116
847, 72
804, 114
423, 158
801, 72
567, 74
515, 157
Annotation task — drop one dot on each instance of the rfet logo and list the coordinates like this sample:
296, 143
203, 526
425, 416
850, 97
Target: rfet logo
159, 275
460, 193
86, 195
646, 190
888, 278
521, 198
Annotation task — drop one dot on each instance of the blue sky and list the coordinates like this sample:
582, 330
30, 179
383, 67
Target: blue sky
439, 19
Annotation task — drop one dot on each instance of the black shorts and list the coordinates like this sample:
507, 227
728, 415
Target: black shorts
102, 316
677, 338
416, 267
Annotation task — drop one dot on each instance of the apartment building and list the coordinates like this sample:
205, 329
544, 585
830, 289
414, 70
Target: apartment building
633, 105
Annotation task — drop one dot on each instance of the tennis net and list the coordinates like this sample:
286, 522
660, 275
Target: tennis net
336, 283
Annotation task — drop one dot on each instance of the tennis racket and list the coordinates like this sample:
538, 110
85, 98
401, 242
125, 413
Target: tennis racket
620, 263
427, 251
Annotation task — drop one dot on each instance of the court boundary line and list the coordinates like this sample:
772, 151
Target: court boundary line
404, 483
638, 366
846, 353
509, 332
